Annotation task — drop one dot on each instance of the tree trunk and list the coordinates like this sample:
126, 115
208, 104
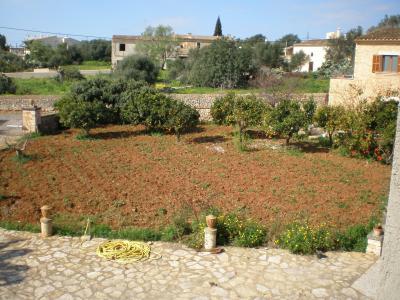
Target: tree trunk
288, 139
330, 134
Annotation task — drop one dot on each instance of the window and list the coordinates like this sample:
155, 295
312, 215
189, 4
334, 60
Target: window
121, 47
385, 63
312, 54
390, 63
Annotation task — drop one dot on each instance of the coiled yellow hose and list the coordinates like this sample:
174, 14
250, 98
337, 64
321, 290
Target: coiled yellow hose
125, 251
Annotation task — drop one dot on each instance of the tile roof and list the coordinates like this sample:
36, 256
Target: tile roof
312, 43
382, 35
181, 37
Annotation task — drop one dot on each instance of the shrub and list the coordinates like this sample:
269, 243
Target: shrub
288, 117
106, 91
222, 109
231, 229
156, 111
252, 235
353, 239
10, 62
247, 111
137, 68
331, 119
301, 238
77, 113
369, 130
7, 85
182, 118
69, 74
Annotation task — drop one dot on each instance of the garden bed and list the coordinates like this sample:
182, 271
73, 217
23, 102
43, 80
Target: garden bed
126, 177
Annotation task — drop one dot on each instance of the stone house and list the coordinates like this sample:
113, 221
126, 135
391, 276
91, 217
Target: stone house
376, 69
125, 45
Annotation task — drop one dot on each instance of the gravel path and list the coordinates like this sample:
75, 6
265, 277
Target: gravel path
60, 268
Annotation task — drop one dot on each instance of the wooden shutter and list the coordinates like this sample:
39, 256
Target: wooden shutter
377, 63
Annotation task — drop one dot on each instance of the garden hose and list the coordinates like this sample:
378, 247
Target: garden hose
125, 251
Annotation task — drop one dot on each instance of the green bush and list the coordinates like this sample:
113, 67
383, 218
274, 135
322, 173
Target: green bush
369, 130
331, 119
231, 230
7, 85
353, 239
77, 113
158, 112
181, 118
69, 74
91, 102
222, 109
252, 235
9, 62
301, 238
242, 111
137, 68
288, 117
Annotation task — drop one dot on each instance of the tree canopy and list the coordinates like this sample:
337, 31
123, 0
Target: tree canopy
159, 43
392, 21
3, 43
222, 64
289, 39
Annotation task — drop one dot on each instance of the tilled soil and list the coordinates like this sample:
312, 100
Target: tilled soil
126, 177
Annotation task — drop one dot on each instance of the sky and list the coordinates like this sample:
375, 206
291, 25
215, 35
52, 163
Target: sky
240, 18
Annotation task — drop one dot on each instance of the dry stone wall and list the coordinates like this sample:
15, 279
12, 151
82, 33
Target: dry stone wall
202, 102
17, 102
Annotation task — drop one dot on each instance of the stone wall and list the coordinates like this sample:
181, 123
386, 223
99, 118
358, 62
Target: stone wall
16, 102
351, 91
202, 102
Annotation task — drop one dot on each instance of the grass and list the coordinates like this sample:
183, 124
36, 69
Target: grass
41, 86
50, 86
91, 65
294, 85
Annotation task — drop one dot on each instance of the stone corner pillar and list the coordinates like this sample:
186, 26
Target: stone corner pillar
31, 118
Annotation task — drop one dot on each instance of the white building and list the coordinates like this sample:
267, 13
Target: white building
315, 51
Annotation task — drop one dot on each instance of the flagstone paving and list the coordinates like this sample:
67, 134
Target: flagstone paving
62, 268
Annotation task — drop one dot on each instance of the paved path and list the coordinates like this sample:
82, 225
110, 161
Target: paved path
59, 268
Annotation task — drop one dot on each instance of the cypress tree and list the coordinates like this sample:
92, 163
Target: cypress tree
218, 28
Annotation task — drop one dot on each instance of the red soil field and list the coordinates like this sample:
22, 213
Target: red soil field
126, 177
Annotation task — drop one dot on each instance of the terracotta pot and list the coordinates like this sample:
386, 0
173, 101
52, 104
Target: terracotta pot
378, 230
45, 211
211, 221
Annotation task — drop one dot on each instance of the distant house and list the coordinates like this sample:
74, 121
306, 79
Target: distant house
54, 41
376, 69
19, 51
125, 45
315, 51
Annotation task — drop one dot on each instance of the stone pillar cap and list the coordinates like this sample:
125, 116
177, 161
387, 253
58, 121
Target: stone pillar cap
32, 108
